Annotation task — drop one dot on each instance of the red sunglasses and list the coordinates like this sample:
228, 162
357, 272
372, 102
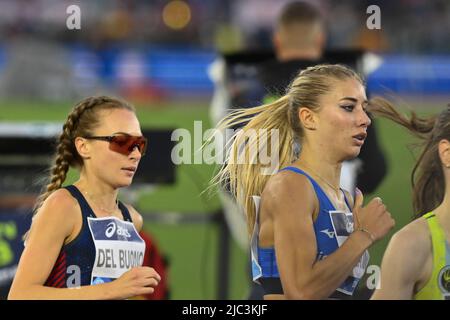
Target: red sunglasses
123, 144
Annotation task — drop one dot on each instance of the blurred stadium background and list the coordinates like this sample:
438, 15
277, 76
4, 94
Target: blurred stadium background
156, 54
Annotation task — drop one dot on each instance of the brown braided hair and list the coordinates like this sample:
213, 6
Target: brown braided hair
80, 122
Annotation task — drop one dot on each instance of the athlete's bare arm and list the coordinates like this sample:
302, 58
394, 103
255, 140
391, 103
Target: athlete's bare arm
405, 262
289, 201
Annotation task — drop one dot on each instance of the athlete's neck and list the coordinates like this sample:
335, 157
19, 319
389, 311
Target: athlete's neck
443, 212
325, 167
103, 194
291, 55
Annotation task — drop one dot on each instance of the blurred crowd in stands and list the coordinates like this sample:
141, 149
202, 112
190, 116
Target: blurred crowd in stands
407, 26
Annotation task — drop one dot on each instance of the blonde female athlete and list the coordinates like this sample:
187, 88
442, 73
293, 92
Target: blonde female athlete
306, 243
83, 243
416, 264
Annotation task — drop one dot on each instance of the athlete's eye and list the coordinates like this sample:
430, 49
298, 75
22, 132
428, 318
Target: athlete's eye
348, 108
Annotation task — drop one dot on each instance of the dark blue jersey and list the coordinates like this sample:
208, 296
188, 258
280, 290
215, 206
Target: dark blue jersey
104, 249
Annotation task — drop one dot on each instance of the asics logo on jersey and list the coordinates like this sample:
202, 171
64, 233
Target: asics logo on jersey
111, 229
330, 234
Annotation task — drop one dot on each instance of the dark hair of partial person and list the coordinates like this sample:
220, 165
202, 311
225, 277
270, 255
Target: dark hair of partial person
299, 12
427, 177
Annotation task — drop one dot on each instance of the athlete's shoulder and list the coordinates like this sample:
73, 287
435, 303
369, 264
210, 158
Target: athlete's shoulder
136, 217
61, 201
413, 240
288, 188
415, 230
57, 215
288, 181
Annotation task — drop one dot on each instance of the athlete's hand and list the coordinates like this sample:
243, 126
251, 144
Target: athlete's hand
374, 219
136, 281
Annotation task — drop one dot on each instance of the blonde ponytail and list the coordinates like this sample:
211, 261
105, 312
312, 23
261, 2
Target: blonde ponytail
275, 126
244, 173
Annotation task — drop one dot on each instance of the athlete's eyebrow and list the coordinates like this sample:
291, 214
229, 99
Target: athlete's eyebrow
120, 132
353, 100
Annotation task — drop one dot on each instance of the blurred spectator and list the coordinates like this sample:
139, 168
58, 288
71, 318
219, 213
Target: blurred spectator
36, 70
135, 21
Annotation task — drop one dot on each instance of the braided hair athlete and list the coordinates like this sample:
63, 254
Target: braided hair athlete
81, 236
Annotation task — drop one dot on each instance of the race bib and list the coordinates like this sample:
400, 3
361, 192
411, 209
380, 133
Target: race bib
118, 248
343, 226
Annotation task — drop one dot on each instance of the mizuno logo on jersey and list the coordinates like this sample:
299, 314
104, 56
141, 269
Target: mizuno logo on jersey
330, 234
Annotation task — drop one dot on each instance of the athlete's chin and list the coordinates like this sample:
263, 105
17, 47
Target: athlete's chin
124, 183
352, 153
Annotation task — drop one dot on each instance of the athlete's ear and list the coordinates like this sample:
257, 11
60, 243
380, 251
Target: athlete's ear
307, 118
83, 147
444, 152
